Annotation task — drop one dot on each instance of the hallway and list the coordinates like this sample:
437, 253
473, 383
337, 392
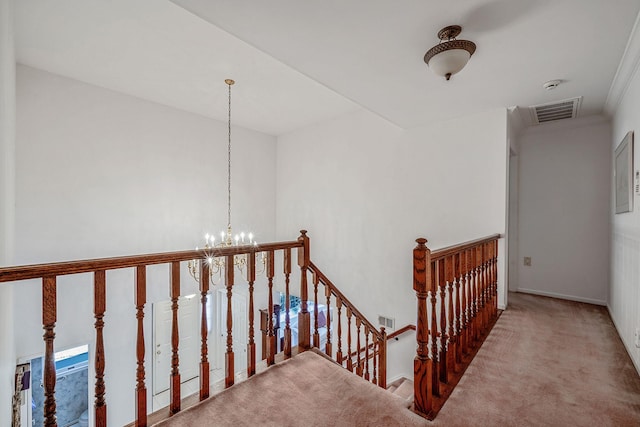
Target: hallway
548, 362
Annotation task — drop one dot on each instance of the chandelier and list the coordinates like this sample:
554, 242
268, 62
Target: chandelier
227, 238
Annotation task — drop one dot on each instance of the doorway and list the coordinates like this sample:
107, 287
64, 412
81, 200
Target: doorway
72, 389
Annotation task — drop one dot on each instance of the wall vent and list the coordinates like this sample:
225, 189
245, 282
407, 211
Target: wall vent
559, 110
387, 322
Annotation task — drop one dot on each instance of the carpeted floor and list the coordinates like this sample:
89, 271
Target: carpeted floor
547, 362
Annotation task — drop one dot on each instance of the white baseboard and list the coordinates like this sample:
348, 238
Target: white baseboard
561, 296
629, 349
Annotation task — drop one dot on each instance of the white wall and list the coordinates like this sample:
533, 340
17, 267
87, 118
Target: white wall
7, 179
103, 174
624, 293
515, 126
564, 174
366, 190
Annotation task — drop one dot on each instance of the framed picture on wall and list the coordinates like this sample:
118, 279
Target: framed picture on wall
623, 174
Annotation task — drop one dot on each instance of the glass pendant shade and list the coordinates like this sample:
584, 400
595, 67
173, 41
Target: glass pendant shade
449, 62
450, 55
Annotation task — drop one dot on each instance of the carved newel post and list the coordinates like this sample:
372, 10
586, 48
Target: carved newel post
422, 365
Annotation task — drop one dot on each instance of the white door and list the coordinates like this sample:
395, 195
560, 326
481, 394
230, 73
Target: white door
189, 348
239, 330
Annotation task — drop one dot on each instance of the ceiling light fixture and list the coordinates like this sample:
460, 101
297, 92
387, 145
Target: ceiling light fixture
450, 55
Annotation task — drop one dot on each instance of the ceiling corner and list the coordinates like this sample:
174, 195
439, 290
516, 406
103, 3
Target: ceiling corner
626, 70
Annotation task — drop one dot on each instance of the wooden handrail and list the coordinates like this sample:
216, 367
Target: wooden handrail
401, 331
391, 336
344, 299
453, 249
35, 271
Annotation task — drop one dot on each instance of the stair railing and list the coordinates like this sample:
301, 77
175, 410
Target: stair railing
456, 290
368, 361
358, 325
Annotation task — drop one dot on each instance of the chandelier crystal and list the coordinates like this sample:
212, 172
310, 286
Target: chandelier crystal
227, 238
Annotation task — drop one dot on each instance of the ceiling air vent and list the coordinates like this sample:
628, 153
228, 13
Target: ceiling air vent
565, 109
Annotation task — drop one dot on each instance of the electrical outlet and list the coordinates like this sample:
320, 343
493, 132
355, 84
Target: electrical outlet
638, 337
527, 261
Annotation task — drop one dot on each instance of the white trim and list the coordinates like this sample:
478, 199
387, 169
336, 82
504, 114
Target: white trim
629, 350
561, 296
626, 70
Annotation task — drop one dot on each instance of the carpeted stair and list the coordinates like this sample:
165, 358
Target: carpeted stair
403, 389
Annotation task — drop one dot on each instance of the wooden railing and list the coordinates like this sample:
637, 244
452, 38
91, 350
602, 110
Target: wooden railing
401, 331
368, 360
456, 289
344, 310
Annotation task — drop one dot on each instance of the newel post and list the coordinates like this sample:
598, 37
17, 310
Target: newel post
304, 317
382, 360
422, 365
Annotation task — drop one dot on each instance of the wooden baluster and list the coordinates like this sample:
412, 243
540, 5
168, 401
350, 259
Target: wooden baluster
422, 364
204, 330
271, 336
304, 324
99, 307
469, 291
175, 341
229, 355
435, 382
479, 251
349, 357
481, 285
487, 285
366, 352
339, 353
382, 360
327, 294
287, 302
375, 360
358, 348
451, 328
495, 277
457, 278
49, 318
464, 296
251, 345
491, 281
442, 283
316, 335
473, 286
141, 388
478, 282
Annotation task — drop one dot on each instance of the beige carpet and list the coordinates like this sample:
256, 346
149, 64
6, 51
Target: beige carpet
306, 390
547, 362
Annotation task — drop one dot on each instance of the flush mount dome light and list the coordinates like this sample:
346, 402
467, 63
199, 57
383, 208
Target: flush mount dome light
450, 55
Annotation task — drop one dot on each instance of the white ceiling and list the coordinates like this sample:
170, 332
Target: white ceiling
298, 62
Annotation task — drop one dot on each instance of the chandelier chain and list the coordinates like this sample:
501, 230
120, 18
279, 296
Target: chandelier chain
229, 164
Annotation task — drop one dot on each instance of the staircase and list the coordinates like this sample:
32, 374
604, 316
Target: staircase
403, 389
